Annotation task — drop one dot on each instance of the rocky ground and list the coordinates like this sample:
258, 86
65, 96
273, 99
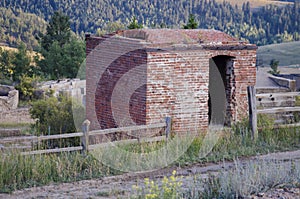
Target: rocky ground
121, 186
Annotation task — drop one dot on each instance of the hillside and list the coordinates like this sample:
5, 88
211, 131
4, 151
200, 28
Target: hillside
256, 3
285, 53
16, 26
266, 25
30, 53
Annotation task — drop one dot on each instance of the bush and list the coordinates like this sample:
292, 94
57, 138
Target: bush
249, 178
55, 116
28, 87
170, 188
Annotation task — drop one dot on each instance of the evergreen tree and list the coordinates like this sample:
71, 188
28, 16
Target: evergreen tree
265, 24
63, 52
192, 24
274, 66
6, 67
58, 30
21, 63
134, 24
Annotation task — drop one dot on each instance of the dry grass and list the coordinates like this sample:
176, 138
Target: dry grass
255, 3
18, 171
31, 54
245, 179
285, 53
241, 181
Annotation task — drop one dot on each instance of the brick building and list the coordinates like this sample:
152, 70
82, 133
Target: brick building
196, 77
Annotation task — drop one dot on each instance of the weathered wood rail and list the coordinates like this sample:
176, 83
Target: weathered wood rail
275, 103
85, 136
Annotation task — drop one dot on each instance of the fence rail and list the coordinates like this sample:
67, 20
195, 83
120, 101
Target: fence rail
59, 150
270, 98
278, 110
85, 136
127, 129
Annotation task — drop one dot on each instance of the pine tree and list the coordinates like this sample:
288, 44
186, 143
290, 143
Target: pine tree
192, 24
134, 24
63, 52
274, 66
21, 63
58, 30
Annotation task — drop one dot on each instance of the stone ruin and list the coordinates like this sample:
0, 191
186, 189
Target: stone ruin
9, 98
137, 77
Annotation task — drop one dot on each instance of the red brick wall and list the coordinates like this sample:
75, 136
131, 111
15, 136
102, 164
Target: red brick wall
176, 82
177, 79
108, 60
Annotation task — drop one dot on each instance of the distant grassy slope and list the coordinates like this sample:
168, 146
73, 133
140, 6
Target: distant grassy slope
285, 53
255, 3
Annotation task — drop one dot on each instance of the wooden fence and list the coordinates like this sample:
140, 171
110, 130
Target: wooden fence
85, 137
274, 107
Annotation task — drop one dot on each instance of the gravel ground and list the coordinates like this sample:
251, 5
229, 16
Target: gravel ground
120, 186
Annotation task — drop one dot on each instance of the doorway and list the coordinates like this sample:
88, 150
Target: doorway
221, 90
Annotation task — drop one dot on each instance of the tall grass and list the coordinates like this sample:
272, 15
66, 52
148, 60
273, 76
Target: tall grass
18, 171
246, 179
238, 143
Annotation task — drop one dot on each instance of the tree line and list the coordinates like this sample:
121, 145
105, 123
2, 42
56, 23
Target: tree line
17, 26
60, 55
266, 25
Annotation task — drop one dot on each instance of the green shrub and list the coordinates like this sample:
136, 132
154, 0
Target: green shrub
55, 116
27, 87
250, 178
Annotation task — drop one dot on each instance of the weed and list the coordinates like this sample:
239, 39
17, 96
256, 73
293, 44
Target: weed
170, 188
251, 178
18, 171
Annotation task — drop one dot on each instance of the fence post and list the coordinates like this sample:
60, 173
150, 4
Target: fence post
252, 111
168, 127
85, 137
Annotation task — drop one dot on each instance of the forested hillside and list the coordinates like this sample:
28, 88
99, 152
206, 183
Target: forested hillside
16, 26
266, 25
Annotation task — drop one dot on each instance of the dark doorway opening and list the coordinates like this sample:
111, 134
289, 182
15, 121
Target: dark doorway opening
221, 90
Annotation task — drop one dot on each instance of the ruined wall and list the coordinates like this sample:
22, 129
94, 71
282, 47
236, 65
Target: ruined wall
116, 82
243, 74
178, 81
17, 116
75, 88
171, 81
9, 98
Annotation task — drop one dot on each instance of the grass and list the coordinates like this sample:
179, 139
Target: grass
15, 129
170, 188
252, 178
241, 181
15, 125
18, 171
110, 193
254, 3
240, 144
297, 102
285, 53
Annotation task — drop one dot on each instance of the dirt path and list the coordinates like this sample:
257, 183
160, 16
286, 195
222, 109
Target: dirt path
120, 186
